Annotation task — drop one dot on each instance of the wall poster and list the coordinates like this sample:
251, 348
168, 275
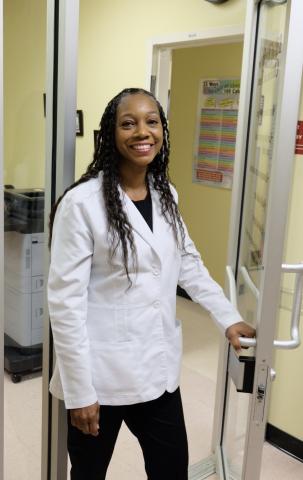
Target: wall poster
216, 132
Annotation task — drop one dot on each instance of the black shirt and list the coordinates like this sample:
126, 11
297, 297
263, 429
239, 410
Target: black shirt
145, 208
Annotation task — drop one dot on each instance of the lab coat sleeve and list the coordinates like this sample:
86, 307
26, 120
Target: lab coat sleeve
194, 278
71, 254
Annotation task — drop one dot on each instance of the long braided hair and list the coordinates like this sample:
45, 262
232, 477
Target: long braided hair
106, 159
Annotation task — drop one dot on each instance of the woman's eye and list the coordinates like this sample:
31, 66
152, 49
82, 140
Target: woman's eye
153, 122
127, 124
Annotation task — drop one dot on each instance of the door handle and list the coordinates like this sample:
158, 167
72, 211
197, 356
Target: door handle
295, 340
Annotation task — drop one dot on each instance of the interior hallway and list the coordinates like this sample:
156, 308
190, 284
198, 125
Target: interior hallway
23, 414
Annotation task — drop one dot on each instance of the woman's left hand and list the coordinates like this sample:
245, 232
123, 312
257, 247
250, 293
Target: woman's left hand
237, 330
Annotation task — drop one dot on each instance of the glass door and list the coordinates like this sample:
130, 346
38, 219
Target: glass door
255, 269
24, 88
250, 267
38, 128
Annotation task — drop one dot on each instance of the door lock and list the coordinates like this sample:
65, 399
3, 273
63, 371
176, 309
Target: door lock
262, 379
261, 392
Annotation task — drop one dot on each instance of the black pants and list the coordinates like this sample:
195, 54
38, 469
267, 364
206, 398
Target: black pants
159, 427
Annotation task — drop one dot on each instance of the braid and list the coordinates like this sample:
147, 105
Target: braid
106, 159
159, 170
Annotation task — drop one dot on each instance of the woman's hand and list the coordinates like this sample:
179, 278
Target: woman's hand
86, 419
240, 329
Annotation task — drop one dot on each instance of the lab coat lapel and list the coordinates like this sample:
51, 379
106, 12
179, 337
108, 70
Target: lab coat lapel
139, 224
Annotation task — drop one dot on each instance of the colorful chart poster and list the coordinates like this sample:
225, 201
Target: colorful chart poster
216, 132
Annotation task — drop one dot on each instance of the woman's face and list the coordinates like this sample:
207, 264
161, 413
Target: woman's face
139, 132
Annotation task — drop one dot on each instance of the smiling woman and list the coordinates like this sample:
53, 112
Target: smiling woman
119, 249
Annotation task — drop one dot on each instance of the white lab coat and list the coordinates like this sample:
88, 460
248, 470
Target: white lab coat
115, 345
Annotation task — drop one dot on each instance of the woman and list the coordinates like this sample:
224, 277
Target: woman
119, 249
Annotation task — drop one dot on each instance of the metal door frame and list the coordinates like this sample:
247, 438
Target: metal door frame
279, 189
61, 94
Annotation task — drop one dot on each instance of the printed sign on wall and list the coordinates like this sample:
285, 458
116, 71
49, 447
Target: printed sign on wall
216, 132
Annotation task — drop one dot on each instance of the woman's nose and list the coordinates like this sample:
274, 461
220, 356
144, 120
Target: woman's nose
142, 130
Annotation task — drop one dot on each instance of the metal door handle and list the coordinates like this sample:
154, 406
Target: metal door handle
295, 341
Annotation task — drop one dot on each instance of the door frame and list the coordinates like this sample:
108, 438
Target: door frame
159, 55
61, 90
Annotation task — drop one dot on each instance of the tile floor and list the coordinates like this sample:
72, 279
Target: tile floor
23, 414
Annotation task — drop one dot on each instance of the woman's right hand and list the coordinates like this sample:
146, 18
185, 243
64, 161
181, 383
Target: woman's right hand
86, 419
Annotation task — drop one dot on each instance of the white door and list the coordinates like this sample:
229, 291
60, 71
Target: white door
271, 86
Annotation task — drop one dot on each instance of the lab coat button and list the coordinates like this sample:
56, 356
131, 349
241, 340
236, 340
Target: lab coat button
156, 304
156, 272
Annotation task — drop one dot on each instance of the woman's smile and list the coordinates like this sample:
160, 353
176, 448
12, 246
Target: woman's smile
142, 148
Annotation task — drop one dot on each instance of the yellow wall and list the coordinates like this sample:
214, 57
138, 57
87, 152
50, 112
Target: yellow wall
113, 44
205, 209
286, 411
24, 84
114, 38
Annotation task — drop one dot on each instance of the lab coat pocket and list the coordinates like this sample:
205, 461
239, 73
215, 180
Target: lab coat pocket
116, 368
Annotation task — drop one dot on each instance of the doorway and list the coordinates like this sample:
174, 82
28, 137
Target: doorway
206, 212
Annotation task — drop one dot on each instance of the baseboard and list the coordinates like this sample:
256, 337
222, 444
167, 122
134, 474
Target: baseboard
282, 440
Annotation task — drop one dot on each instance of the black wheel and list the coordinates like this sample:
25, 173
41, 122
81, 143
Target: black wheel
16, 377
